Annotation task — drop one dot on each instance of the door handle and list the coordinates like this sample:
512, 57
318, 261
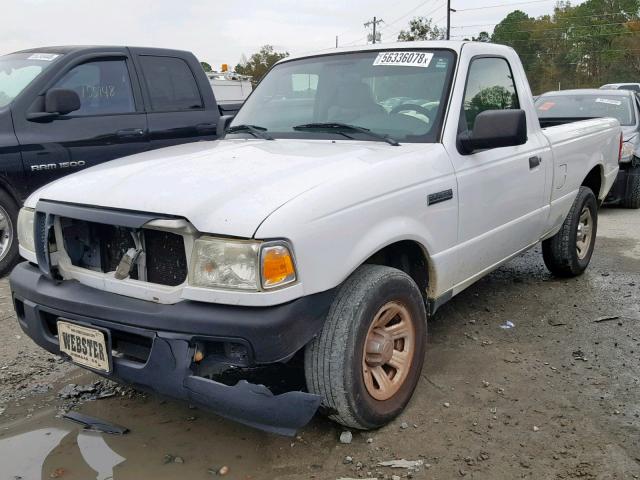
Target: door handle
534, 162
130, 132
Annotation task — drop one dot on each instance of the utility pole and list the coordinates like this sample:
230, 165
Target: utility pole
449, 10
336, 41
375, 36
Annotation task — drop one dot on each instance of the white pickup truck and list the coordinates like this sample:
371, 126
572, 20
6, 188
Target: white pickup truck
355, 192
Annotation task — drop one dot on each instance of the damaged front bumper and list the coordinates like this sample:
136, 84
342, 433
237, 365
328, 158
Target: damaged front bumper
153, 345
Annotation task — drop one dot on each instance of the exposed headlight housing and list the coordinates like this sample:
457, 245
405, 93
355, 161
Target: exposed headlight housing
240, 264
26, 217
628, 150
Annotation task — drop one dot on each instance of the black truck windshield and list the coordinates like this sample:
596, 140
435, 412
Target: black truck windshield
393, 96
571, 105
17, 70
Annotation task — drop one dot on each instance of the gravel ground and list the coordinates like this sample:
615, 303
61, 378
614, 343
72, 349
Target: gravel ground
554, 397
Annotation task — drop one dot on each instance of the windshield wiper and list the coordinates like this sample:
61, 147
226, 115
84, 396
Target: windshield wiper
254, 130
339, 127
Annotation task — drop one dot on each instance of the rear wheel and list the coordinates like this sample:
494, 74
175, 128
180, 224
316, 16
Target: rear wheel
366, 362
8, 234
632, 195
569, 251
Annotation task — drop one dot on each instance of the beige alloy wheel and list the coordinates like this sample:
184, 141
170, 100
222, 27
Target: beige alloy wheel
389, 351
585, 233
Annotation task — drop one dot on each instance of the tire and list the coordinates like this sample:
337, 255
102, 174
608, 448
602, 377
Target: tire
8, 233
562, 253
335, 362
632, 195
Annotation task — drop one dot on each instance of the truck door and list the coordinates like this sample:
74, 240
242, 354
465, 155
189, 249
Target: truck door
502, 190
177, 110
110, 123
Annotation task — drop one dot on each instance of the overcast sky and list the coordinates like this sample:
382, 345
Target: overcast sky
221, 31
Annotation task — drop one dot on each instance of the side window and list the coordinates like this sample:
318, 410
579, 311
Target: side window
104, 87
171, 84
490, 86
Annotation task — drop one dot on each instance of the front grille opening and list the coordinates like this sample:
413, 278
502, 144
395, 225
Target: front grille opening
100, 247
135, 348
165, 257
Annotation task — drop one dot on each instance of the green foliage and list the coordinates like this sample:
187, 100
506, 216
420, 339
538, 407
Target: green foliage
482, 37
258, 64
206, 67
581, 46
421, 28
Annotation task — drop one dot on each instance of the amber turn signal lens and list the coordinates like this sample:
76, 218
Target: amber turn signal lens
277, 266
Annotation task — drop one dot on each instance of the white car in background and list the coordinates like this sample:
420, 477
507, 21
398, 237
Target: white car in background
634, 87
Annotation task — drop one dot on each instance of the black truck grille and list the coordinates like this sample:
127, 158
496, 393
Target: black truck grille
100, 247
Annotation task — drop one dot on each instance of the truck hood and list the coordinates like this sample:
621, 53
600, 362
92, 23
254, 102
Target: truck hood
225, 187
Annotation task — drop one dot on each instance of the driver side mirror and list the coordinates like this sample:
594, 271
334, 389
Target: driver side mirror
61, 101
495, 129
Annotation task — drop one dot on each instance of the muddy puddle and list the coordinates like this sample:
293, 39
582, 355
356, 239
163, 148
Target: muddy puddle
167, 440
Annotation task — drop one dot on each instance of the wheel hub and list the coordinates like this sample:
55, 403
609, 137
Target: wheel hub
6, 233
379, 348
585, 233
388, 352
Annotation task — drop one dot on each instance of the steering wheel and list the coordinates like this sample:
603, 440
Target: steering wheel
407, 107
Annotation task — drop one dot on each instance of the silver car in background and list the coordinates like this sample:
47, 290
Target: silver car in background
556, 108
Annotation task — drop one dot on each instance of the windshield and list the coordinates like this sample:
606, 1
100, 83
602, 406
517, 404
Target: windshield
586, 106
17, 70
395, 94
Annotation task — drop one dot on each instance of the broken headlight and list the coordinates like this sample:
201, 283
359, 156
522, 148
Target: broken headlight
26, 218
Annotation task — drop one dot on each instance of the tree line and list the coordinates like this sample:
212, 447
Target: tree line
580, 46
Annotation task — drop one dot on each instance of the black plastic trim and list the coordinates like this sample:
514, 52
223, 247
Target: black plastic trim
274, 333
122, 218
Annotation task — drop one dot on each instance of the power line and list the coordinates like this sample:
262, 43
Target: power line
568, 37
624, 50
503, 5
560, 18
428, 14
387, 25
565, 29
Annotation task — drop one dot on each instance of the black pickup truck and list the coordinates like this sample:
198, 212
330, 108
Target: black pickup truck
63, 109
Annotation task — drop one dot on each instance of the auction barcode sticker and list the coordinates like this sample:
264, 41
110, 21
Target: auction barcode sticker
608, 101
404, 59
47, 57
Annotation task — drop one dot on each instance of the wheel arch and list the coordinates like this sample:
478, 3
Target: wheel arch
411, 257
595, 181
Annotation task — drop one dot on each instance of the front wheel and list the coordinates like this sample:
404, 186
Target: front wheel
568, 252
366, 362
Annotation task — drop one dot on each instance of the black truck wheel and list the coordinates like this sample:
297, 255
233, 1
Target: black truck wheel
366, 362
632, 195
568, 252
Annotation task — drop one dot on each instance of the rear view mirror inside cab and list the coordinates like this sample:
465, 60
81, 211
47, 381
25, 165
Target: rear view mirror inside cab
494, 129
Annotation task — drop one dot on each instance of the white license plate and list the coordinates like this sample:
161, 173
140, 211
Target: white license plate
86, 346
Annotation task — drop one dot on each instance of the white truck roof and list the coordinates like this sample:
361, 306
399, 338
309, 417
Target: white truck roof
454, 45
